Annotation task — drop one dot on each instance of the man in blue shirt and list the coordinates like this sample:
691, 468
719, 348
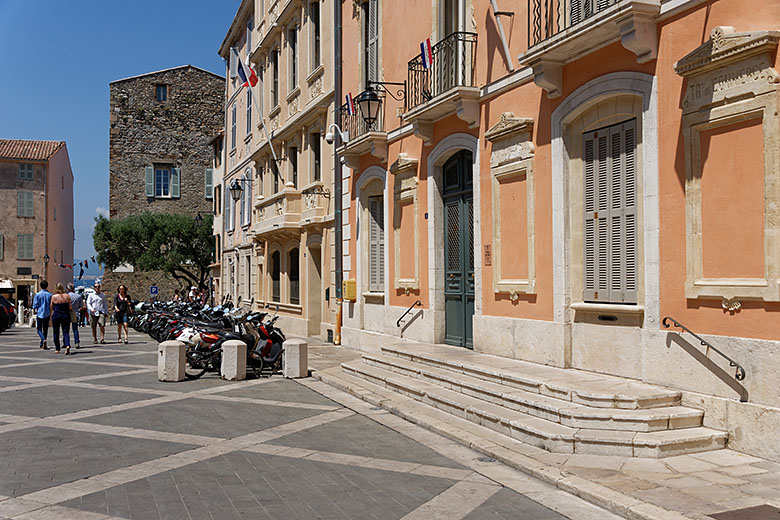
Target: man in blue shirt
42, 306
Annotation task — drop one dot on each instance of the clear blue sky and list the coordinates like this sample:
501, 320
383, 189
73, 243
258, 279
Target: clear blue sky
57, 58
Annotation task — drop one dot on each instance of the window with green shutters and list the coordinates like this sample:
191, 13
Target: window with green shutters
376, 245
162, 182
25, 204
25, 171
24, 248
610, 220
371, 39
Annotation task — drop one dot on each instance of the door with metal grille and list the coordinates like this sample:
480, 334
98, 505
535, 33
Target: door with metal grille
458, 205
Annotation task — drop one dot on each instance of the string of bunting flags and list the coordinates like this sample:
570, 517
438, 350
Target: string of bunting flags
82, 265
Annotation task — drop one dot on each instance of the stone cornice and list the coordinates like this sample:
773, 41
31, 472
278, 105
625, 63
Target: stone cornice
508, 126
726, 45
403, 162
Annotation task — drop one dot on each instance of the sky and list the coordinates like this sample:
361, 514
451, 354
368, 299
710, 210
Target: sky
57, 58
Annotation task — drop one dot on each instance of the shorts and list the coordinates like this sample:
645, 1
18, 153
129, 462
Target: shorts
120, 318
98, 320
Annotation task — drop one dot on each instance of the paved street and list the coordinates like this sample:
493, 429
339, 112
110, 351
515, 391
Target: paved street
95, 435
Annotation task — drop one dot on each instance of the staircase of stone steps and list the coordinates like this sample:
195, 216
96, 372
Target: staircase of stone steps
559, 410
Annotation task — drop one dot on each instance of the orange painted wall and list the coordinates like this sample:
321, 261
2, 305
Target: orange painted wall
680, 36
732, 201
514, 228
406, 232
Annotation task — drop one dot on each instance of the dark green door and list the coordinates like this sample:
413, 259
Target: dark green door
458, 250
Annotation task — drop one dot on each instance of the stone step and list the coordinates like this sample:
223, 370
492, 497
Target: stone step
539, 432
552, 409
577, 386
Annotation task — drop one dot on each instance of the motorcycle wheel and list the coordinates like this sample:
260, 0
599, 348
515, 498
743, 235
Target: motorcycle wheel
257, 367
194, 369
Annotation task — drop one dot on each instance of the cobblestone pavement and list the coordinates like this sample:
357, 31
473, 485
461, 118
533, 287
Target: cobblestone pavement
95, 435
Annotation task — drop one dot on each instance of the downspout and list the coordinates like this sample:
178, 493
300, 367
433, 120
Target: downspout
496, 14
337, 174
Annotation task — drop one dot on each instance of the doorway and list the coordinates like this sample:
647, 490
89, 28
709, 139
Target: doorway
458, 216
314, 291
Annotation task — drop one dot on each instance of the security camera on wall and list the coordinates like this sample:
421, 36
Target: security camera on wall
330, 137
343, 160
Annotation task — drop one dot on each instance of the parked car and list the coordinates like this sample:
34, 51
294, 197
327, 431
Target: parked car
7, 313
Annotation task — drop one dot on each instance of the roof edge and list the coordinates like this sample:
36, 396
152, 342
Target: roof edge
168, 70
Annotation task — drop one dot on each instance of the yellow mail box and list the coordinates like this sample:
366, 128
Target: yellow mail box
349, 289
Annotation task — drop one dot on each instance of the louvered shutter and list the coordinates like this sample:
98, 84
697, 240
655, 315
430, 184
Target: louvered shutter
233, 63
175, 184
149, 181
209, 183
2, 247
20, 209
376, 281
610, 235
372, 42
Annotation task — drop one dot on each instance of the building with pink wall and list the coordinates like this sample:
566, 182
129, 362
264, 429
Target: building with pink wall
553, 194
36, 188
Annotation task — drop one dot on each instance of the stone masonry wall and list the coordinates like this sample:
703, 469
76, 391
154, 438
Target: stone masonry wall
175, 133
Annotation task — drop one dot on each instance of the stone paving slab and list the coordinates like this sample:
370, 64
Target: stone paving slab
37, 458
60, 367
280, 390
52, 400
205, 417
510, 505
150, 382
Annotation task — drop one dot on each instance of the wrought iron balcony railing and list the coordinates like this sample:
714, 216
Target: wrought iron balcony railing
356, 125
547, 18
452, 66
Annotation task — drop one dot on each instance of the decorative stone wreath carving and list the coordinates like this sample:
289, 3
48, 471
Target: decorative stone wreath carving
730, 79
404, 169
511, 159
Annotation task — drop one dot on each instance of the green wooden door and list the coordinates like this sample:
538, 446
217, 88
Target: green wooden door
458, 219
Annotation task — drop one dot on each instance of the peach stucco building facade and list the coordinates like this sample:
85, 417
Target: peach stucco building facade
553, 195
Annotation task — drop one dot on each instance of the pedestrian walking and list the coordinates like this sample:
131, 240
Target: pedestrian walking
97, 307
42, 307
122, 311
176, 296
60, 317
76, 303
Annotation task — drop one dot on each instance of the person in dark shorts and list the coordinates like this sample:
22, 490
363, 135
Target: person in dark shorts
60, 317
122, 310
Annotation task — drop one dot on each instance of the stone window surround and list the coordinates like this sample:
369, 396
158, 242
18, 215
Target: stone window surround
507, 167
372, 182
445, 149
404, 171
567, 292
748, 57
26, 171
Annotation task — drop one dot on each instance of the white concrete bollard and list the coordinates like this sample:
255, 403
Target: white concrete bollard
234, 360
170, 364
296, 358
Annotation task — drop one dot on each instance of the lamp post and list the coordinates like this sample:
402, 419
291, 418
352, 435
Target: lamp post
45, 266
330, 138
370, 101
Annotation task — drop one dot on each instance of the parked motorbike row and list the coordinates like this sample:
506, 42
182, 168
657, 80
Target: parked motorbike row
205, 329
7, 313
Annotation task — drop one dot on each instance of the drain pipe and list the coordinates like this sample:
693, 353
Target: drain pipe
337, 181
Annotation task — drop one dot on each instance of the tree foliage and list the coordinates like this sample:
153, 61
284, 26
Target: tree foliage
176, 244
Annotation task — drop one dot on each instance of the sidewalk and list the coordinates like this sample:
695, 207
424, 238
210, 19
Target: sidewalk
722, 484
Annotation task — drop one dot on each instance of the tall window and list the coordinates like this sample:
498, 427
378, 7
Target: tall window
275, 275
229, 219
295, 284
25, 172
246, 199
275, 78
249, 111
292, 152
292, 41
2, 247
24, 248
376, 245
371, 39
162, 182
250, 25
248, 283
275, 169
233, 127
24, 204
162, 92
610, 220
316, 157
314, 19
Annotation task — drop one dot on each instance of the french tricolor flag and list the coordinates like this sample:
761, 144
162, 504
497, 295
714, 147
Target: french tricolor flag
426, 53
247, 75
350, 105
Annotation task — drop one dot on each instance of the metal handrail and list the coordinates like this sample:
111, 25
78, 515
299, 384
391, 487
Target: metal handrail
418, 303
452, 66
546, 18
356, 125
740, 374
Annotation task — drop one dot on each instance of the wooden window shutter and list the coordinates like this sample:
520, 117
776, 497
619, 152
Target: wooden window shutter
372, 42
610, 214
150, 181
209, 183
2, 247
175, 183
20, 209
376, 256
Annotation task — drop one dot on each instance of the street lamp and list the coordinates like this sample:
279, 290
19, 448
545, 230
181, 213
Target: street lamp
46, 258
236, 189
370, 99
198, 219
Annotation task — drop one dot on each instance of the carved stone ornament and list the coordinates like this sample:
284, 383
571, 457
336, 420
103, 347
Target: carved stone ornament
508, 126
403, 162
731, 304
728, 66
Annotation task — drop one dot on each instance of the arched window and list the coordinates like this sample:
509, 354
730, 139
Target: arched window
295, 285
275, 271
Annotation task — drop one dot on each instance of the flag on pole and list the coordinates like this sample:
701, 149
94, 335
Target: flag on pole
247, 74
350, 105
426, 53
86, 264
93, 259
81, 273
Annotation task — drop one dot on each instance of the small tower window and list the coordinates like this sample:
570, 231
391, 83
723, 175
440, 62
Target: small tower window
162, 92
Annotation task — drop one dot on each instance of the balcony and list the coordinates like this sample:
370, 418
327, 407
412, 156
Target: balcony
560, 31
363, 138
444, 88
279, 213
315, 204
